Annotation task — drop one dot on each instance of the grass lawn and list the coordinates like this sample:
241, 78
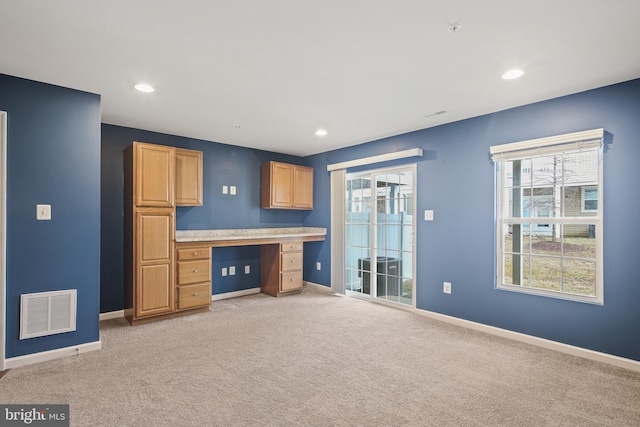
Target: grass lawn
566, 264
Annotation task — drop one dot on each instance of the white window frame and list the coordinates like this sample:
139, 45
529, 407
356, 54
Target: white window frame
567, 143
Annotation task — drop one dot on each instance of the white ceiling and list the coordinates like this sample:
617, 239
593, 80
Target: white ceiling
267, 74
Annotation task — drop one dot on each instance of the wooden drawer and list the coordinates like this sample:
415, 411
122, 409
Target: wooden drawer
291, 261
194, 271
194, 253
194, 295
291, 246
291, 280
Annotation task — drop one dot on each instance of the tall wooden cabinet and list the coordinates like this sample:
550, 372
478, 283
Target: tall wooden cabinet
286, 186
149, 215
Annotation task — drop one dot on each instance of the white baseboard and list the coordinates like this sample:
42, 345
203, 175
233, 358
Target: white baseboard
226, 295
112, 315
597, 356
317, 287
30, 359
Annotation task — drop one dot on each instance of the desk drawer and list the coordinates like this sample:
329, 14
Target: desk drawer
291, 261
291, 280
194, 295
194, 271
291, 246
194, 253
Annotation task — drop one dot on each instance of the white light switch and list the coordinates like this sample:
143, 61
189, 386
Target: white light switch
43, 212
247, 269
232, 270
225, 189
232, 190
428, 215
224, 271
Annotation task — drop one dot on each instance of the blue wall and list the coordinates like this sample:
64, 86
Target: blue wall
456, 180
53, 156
222, 165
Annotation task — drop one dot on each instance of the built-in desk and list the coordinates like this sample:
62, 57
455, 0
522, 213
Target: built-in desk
281, 251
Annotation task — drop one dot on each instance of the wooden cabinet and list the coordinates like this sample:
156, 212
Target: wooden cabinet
154, 261
153, 175
188, 177
281, 268
149, 211
193, 277
286, 186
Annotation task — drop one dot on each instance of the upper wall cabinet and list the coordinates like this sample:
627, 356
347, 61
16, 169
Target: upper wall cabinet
153, 178
188, 177
286, 186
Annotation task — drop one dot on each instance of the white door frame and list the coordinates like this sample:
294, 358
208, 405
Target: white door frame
3, 236
413, 167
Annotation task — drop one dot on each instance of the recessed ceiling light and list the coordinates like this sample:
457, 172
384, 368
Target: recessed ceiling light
143, 87
321, 132
512, 74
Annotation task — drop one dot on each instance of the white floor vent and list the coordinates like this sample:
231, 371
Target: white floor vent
47, 313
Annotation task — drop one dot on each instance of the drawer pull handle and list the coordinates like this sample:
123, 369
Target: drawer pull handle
195, 270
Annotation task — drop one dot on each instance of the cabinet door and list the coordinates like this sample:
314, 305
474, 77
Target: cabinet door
154, 260
188, 178
281, 185
303, 187
154, 166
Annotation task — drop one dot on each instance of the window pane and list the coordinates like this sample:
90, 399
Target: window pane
545, 273
520, 274
545, 239
581, 167
579, 241
579, 276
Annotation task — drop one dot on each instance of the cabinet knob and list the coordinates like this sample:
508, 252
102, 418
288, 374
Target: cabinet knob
195, 294
195, 270
293, 280
293, 260
195, 254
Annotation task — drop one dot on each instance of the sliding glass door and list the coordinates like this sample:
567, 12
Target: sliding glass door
379, 230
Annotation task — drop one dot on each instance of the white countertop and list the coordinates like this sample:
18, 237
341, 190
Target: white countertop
246, 233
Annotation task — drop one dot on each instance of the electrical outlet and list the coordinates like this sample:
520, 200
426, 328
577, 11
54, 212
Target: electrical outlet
247, 269
318, 265
232, 270
446, 287
224, 271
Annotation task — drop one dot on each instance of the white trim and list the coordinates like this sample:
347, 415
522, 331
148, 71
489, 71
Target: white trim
317, 287
235, 294
577, 140
111, 315
597, 356
338, 219
3, 236
44, 356
412, 152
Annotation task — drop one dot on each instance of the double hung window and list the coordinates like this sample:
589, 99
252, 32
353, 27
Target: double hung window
549, 216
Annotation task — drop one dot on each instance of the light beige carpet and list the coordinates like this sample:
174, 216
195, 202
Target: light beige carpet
316, 359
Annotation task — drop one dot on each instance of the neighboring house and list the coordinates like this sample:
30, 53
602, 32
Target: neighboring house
548, 185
